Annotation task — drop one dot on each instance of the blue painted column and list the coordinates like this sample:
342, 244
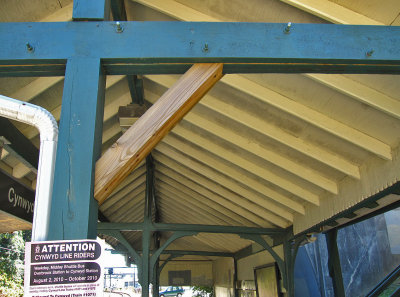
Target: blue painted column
91, 10
74, 210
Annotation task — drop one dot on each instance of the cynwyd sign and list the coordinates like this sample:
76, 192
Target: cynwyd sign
15, 198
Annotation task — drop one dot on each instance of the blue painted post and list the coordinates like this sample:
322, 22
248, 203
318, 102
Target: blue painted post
73, 209
91, 10
147, 220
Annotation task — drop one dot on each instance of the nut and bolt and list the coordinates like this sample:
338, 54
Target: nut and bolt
29, 47
119, 27
369, 53
288, 27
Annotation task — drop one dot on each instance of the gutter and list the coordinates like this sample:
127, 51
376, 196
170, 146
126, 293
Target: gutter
46, 124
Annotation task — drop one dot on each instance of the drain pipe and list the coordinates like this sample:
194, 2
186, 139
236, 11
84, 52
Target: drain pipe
46, 124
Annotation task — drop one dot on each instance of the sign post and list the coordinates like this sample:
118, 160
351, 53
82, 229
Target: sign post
67, 268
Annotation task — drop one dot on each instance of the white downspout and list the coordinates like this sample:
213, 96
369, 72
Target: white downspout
46, 124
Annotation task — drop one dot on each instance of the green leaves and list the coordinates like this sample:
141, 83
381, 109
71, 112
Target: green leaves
12, 246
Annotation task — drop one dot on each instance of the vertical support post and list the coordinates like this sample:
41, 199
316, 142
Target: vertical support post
290, 249
235, 278
145, 279
289, 267
89, 10
335, 269
156, 274
156, 280
281, 264
74, 210
146, 233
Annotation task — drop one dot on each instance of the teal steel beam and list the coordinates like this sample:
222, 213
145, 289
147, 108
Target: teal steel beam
179, 253
74, 209
334, 266
290, 249
101, 227
135, 254
245, 252
136, 89
281, 264
19, 143
216, 229
190, 227
145, 265
197, 253
176, 235
243, 47
235, 278
393, 189
118, 10
89, 10
165, 263
135, 84
146, 273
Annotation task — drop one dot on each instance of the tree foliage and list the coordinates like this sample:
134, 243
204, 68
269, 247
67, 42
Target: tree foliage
12, 246
203, 291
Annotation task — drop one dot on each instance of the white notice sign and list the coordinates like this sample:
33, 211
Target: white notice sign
65, 268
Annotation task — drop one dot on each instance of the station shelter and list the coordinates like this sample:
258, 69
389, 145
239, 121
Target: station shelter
212, 142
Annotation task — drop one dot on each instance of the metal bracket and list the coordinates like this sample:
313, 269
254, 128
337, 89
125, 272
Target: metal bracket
176, 235
117, 235
165, 262
281, 264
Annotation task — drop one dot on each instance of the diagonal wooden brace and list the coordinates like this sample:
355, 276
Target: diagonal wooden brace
138, 141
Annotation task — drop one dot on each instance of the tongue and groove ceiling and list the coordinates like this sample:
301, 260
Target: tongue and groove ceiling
260, 150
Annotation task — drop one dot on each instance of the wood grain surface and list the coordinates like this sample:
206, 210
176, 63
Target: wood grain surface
138, 141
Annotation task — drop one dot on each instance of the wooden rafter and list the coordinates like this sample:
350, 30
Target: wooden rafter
132, 147
332, 12
185, 13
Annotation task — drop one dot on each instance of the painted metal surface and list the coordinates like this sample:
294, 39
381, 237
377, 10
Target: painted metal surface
190, 227
335, 270
74, 210
19, 143
279, 261
88, 10
347, 49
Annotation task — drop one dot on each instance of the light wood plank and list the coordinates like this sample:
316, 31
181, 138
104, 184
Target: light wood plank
206, 204
170, 158
360, 92
237, 176
133, 146
20, 170
311, 116
248, 144
166, 173
240, 161
248, 166
332, 12
218, 192
168, 191
110, 109
62, 15
176, 202
177, 10
180, 186
351, 135
35, 88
